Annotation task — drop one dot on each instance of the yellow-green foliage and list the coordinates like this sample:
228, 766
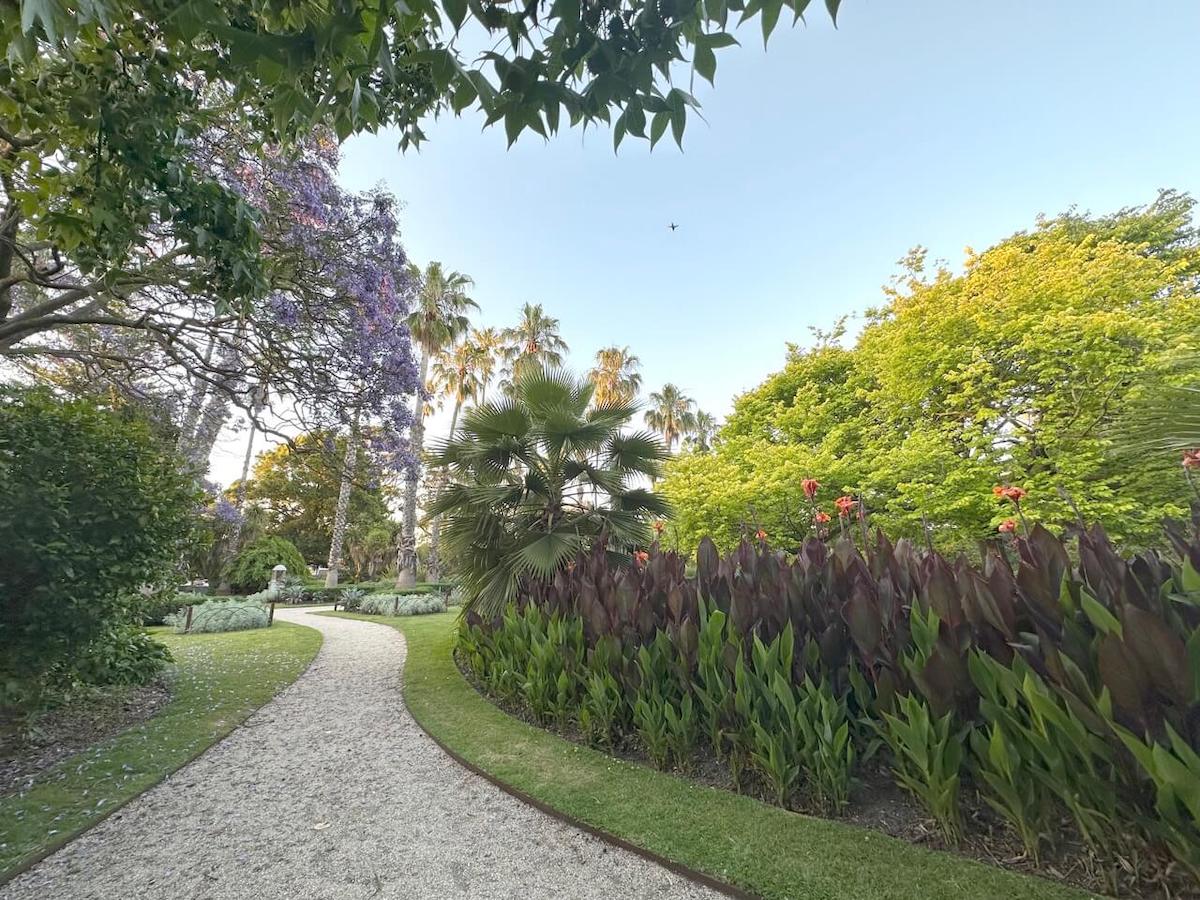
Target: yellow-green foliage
1020, 370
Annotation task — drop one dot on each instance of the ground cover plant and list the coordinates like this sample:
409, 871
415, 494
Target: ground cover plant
401, 604
217, 681
1059, 681
233, 614
763, 849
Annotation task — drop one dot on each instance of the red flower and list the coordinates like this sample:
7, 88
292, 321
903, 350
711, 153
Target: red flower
1013, 493
1191, 459
821, 517
844, 505
640, 557
760, 534
1008, 526
659, 525
810, 487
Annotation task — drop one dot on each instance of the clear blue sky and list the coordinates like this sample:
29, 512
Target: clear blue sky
822, 161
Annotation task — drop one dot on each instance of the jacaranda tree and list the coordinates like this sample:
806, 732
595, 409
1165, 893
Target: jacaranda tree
537, 477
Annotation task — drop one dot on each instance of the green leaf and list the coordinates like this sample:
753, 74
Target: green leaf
658, 127
705, 62
1104, 621
832, 6
457, 11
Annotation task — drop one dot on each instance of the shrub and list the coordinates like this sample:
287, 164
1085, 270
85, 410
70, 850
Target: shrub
95, 506
154, 609
1060, 682
222, 615
352, 598
124, 654
251, 569
402, 604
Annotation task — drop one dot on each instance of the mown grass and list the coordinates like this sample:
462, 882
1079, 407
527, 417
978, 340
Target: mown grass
218, 680
759, 848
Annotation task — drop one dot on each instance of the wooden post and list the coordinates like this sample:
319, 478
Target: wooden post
271, 615
396, 605
187, 625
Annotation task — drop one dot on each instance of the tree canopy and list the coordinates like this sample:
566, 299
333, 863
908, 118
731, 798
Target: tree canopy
1020, 370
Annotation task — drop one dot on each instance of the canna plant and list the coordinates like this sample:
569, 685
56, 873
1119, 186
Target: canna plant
927, 757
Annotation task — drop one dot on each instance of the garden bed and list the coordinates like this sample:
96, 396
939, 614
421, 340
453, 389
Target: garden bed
732, 838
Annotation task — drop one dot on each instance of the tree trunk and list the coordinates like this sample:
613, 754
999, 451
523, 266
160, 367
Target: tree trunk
191, 415
434, 566
343, 507
406, 552
239, 502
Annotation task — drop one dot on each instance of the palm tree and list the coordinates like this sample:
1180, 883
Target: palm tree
524, 470
700, 436
671, 413
439, 318
532, 343
487, 344
616, 375
455, 374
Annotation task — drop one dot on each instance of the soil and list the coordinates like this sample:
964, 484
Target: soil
75, 726
882, 805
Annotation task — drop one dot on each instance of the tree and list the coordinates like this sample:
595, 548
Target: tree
487, 345
251, 570
524, 471
94, 508
456, 375
700, 436
297, 486
671, 413
533, 343
439, 317
328, 336
359, 65
1028, 368
616, 375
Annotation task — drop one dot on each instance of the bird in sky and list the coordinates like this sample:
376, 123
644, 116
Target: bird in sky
672, 226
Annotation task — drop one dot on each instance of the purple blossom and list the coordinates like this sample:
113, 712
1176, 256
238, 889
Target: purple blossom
224, 511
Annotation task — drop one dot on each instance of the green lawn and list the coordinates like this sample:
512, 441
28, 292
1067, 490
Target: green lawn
759, 848
218, 681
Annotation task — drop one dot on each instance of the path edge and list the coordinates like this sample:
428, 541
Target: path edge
23, 867
693, 875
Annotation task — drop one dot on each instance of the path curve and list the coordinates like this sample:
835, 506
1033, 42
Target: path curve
332, 792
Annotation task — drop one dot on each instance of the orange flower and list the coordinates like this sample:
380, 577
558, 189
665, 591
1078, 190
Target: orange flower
1008, 526
810, 487
822, 517
1013, 493
844, 505
640, 557
760, 534
659, 525
1191, 459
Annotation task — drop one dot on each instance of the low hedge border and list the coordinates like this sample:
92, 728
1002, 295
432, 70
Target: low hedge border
731, 842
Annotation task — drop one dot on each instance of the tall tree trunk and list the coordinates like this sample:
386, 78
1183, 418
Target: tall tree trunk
239, 501
195, 405
406, 552
433, 567
343, 507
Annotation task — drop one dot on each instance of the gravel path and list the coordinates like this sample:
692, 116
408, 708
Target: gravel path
332, 792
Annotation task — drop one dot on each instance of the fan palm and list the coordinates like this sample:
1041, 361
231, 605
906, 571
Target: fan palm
700, 436
538, 476
616, 375
455, 374
533, 343
437, 320
671, 413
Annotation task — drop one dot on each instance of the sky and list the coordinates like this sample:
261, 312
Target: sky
819, 163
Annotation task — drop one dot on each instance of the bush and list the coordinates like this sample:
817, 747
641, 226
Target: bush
251, 569
124, 654
352, 598
221, 615
402, 604
95, 506
1059, 690
154, 609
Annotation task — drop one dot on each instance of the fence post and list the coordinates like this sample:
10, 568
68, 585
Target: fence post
396, 605
187, 625
271, 615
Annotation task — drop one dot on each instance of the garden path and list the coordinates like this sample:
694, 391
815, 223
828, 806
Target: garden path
332, 792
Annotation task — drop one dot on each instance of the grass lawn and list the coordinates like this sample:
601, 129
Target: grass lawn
759, 848
217, 682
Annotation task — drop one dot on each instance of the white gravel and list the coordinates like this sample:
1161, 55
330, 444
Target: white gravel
331, 791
